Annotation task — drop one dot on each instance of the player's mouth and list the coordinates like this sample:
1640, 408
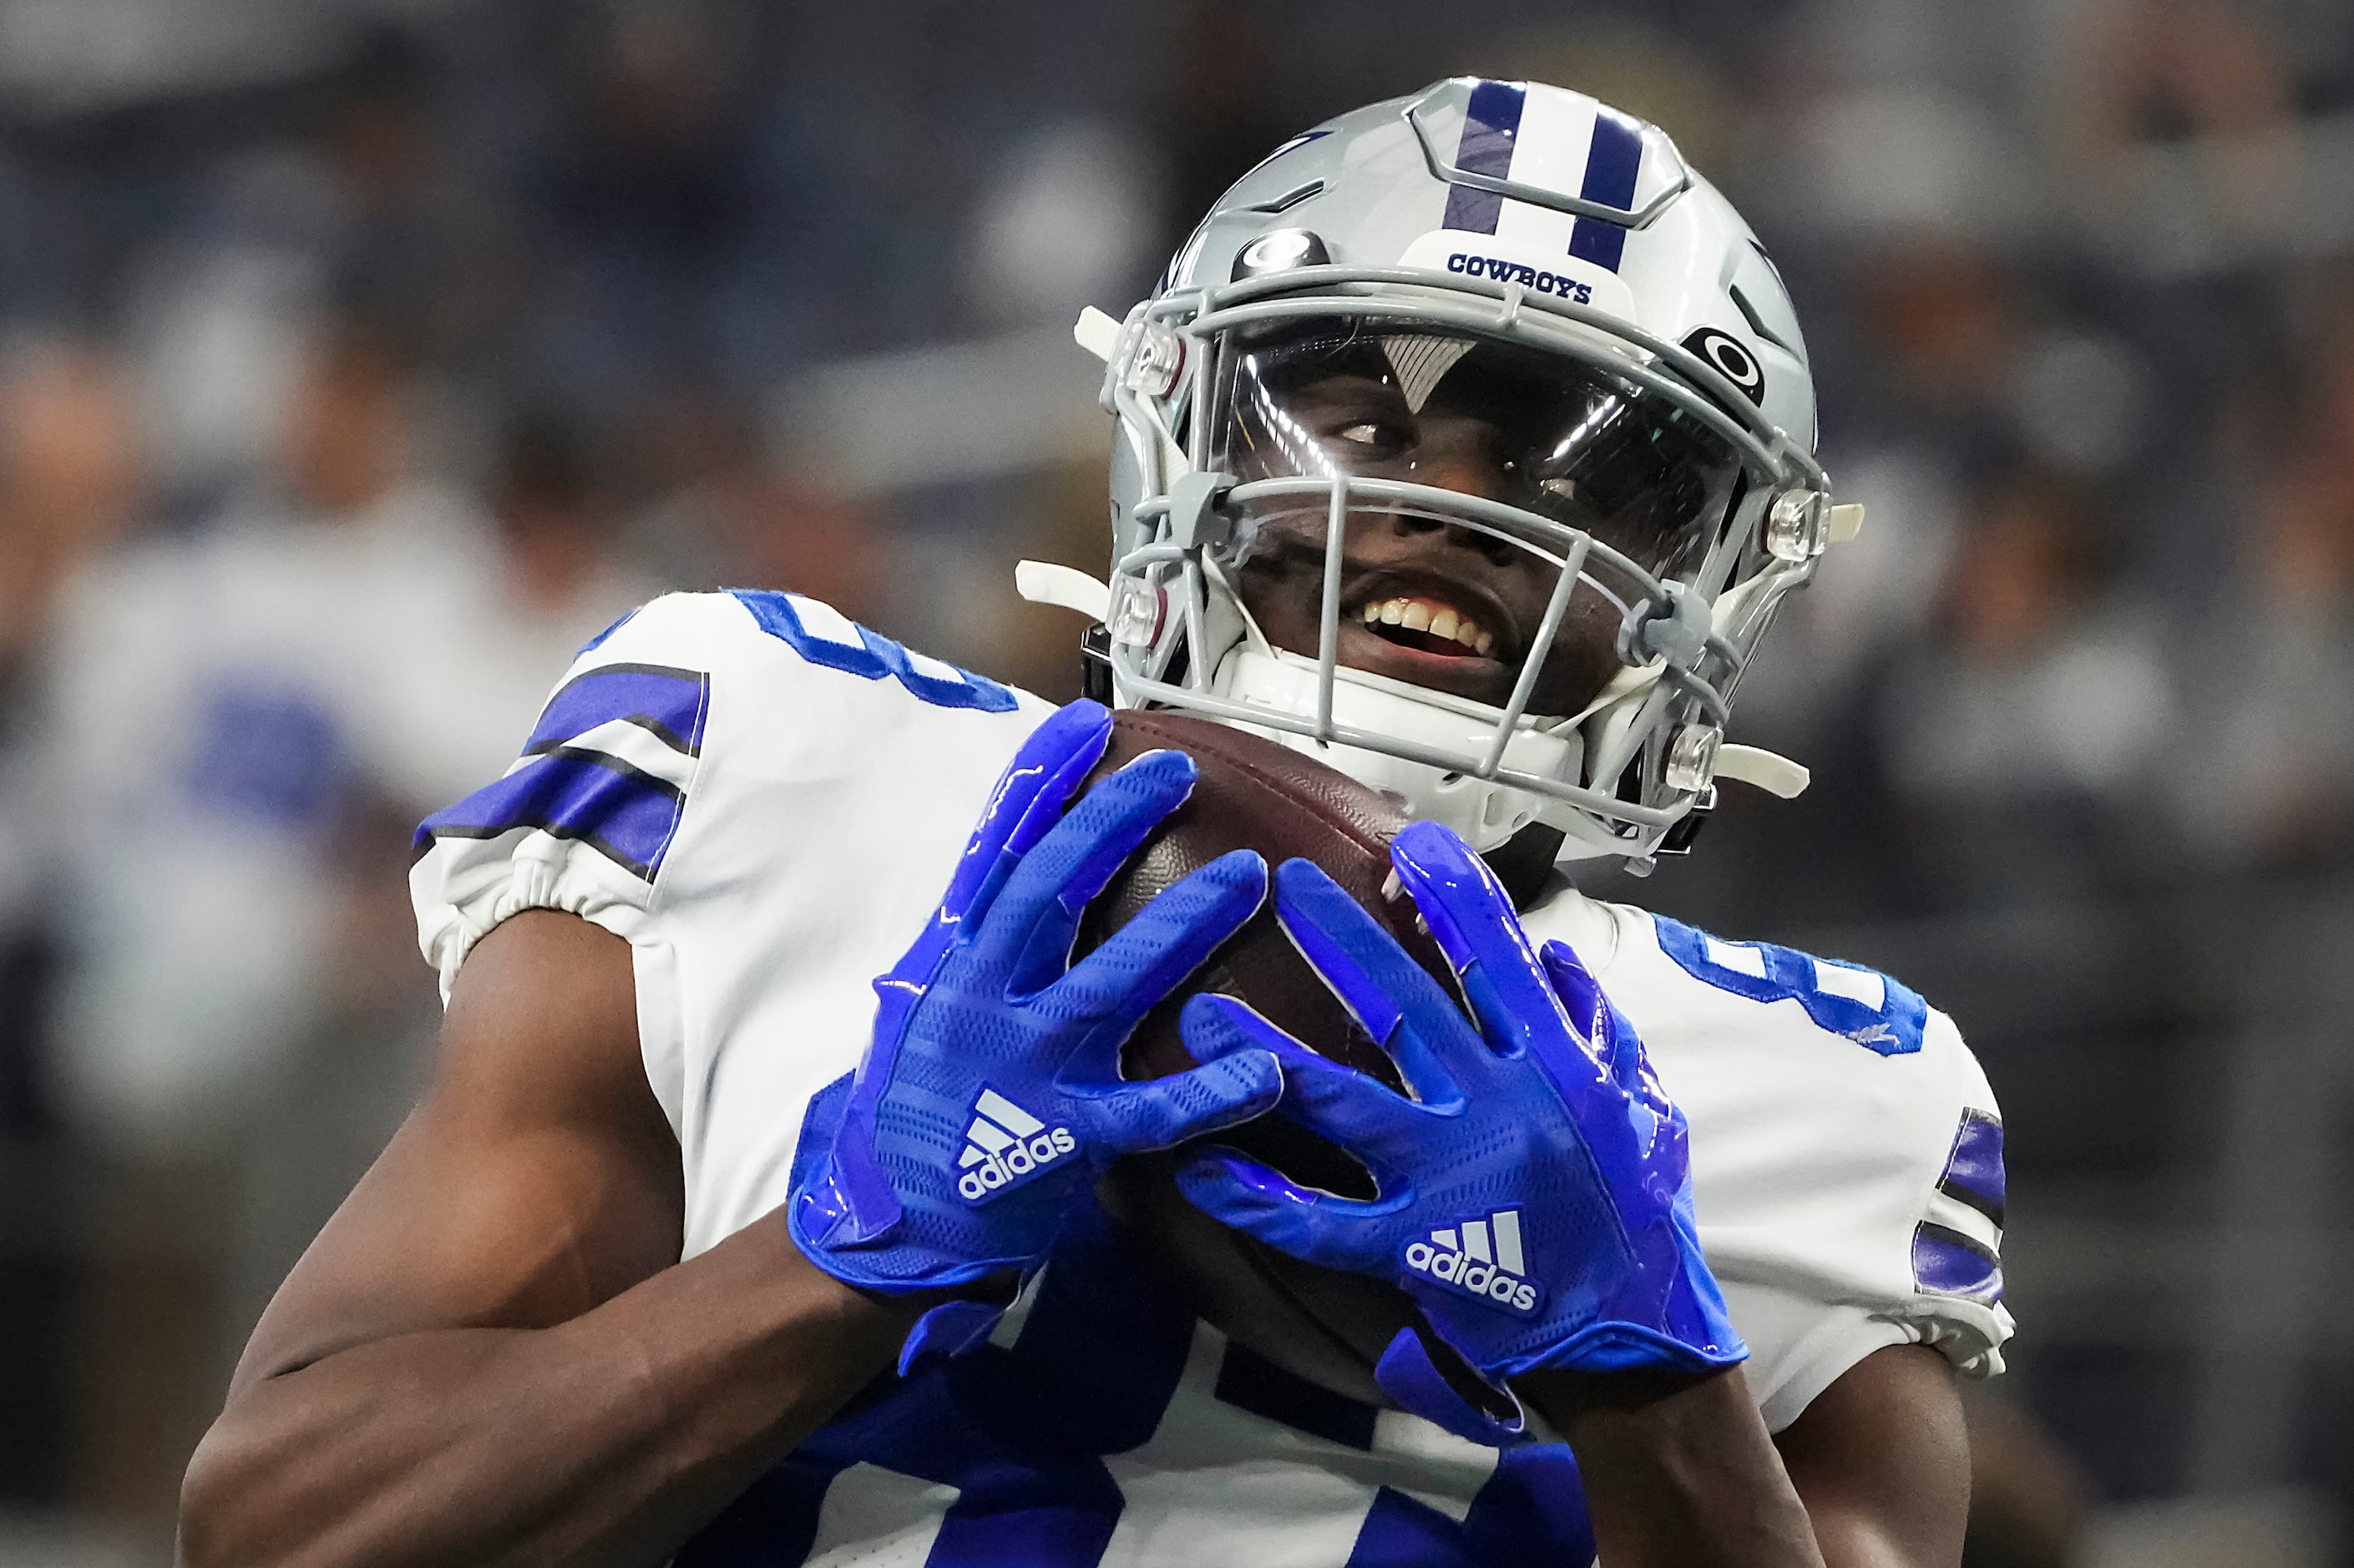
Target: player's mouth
1427, 626
1429, 634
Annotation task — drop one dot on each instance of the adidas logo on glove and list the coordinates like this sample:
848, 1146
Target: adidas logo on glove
1485, 1261
1004, 1144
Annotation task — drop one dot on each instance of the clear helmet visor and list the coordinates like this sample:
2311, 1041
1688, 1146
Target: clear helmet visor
1490, 469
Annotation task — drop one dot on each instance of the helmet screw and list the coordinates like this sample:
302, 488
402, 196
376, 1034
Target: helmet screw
1157, 362
1797, 527
1137, 609
1692, 758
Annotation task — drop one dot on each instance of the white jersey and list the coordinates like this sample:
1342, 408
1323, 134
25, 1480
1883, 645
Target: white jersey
766, 801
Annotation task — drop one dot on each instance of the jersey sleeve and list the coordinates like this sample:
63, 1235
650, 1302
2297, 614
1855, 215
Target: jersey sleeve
1846, 1150
585, 817
1918, 1261
1955, 1251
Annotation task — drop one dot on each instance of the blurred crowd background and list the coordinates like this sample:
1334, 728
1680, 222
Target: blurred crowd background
357, 361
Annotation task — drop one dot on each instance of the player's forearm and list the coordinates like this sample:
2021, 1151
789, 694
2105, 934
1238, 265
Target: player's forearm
608, 1439
1685, 1476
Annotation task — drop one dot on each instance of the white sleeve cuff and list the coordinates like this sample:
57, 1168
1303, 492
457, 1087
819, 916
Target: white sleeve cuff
1800, 1347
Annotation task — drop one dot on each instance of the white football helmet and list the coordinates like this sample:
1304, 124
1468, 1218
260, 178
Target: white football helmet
1466, 446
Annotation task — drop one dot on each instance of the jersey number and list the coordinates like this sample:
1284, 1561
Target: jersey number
1862, 1004
824, 635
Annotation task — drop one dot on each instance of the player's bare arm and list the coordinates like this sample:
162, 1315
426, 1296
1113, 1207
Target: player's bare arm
488, 1357
1875, 1474
492, 1354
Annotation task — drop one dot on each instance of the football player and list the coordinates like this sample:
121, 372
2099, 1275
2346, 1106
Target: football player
1465, 446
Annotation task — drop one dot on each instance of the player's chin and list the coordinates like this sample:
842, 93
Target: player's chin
1464, 674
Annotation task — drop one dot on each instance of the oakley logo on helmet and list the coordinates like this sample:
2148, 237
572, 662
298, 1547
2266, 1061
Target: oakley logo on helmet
1481, 1258
1731, 359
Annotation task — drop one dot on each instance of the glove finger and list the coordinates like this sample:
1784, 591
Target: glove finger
1151, 956
1605, 1030
1472, 919
1028, 800
1315, 1228
1580, 996
1375, 977
1360, 1114
1134, 1117
1037, 914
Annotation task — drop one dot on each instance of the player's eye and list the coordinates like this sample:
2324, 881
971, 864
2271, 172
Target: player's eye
1559, 489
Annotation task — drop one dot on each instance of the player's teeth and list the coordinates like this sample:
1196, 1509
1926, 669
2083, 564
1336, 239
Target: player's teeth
1393, 611
1443, 624
1487, 641
1467, 633
1372, 614
1417, 617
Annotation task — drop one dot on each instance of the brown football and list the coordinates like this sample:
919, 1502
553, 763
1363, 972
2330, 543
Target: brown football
1324, 1325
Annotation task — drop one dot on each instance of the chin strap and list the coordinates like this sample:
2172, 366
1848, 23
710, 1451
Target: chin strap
1766, 770
1064, 588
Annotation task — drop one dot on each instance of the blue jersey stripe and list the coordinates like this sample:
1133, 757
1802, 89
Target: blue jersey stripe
669, 703
1952, 1264
628, 816
1031, 1516
1491, 121
1402, 1532
1532, 1511
1974, 1170
1020, 1432
1612, 164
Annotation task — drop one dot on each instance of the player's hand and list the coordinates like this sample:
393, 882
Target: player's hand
990, 1096
1534, 1197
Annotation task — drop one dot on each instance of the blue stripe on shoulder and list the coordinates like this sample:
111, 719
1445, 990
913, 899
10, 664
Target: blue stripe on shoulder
871, 657
1951, 1264
628, 816
669, 703
1974, 1169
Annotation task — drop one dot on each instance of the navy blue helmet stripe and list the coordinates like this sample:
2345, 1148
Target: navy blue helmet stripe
1611, 167
1490, 123
628, 816
671, 705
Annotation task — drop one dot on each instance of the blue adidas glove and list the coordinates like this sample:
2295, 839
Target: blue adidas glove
1535, 1198
990, 1097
